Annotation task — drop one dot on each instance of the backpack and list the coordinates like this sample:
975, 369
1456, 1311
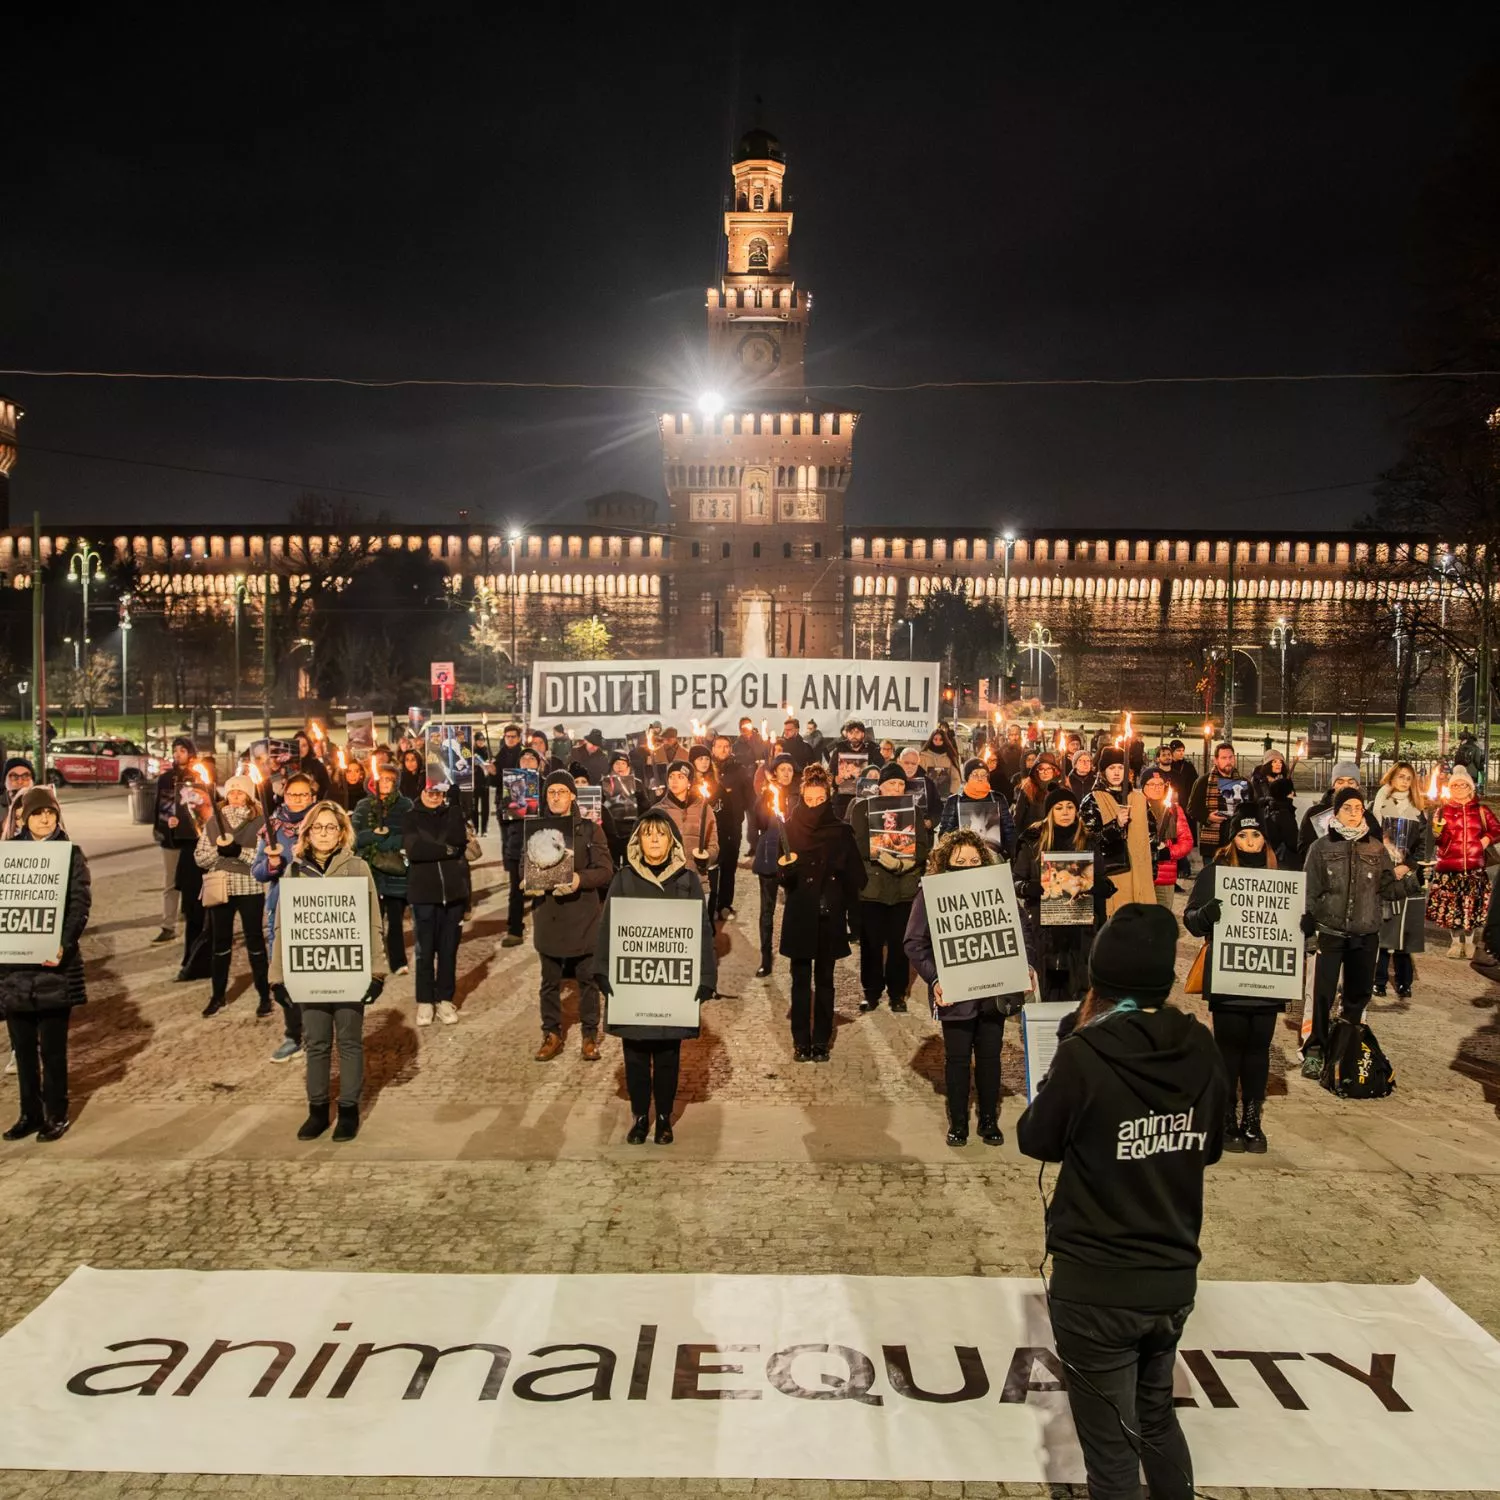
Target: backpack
767, 852
1354, 1067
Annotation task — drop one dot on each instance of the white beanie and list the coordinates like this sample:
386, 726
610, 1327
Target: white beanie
1460, 773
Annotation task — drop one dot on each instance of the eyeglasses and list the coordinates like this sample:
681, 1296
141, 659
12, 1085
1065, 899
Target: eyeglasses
325, 827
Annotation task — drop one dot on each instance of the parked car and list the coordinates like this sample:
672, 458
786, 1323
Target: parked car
98, 762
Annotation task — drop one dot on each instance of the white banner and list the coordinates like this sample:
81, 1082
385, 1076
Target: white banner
893, 699
324, 929
975, 922
1258, 946
655, 948
799, 1377
33, 897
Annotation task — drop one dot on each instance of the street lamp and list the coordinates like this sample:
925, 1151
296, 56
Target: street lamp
241, 594
1009, 541
514, 541
81, 564
125, 628
1445, 564
1038, 642
911, 637
1283, 636
69, 641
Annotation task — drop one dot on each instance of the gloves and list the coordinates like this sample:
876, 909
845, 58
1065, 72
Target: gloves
377, 988
1213, 910
705, 992
887, 860
603, 985
1309, 925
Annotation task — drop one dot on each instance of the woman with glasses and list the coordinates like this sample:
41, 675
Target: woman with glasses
325, 851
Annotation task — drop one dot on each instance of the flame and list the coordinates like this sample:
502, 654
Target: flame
255, 775
317, 730
1208, 729
764, 727
1300, 753
1119, 741
703, 790
201, 772
650, 742
776, 801
1128, 732
343, 764
1432, 782
1166, 801
997, 718
1060, 743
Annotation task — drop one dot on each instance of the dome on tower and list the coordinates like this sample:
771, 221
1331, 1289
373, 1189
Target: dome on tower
759, 145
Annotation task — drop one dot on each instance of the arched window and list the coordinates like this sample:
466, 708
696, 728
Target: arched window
760, 202
759, 254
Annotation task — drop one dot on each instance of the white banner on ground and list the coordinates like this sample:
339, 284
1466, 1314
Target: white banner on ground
975, 922
1257, 947
895, 699
33, 897
816, 1377
325, 937
655, 948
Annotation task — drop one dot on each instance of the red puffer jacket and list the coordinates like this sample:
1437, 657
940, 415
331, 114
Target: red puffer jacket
1460, 828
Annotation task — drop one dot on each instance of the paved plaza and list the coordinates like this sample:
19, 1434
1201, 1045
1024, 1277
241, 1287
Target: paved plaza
473, 1157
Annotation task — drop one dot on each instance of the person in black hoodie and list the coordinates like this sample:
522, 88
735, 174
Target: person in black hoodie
437, 887
823, 876
736, 793
1133, 1108
776, 800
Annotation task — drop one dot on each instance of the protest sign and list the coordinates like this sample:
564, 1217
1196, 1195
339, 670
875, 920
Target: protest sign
976, 932
899, 699
590, 800
1403, 836
450, 756
1039, 1022
359, 730
522, 788
547, 853
981, 815
1067, 888
893, 827
655, 949
324, 929
851, 765
33, 895
1257, 946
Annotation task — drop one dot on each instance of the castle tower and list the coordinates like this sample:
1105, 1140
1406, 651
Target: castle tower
10, 416
756, 473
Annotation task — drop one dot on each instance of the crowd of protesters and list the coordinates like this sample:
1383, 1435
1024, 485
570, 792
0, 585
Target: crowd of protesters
788, 819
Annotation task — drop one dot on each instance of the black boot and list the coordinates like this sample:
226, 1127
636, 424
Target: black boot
989, 1130
1234, 1139
348, 1125
639, 1127
315, 1123
1254, 1139
20, 1130
765, 966
663, 1130
55, 1129
214, 1006
265, 1007
958, 1131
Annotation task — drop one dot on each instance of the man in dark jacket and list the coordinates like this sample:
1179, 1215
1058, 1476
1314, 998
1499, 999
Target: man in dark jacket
565, 925
1133, 1108
1316, 819
749, 748
1183, 773
793, 745
437, 886
736, 795
174, 830
591, 757
19, 779
1216, 797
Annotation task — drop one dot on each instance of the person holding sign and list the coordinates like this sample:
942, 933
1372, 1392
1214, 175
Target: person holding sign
1058, 952
521, 798
654, 956
978, 806
823, 875
273, 856
768, 834
1244, 1025
325, 851
1401, 811
226, 846
38, 995
437, 885
971, 1028
894, 844
565, 925
379, 829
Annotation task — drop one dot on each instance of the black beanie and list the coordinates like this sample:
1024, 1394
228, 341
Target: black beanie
561, 778
1343, 794
1061, 792
970, 766
681, 765
13, 763
1110, 757
1134, 956
893, 772
782, 760
617, 757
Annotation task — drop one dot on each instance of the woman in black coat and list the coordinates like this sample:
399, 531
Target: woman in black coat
655, 869
823, 875
38, 999
437, 889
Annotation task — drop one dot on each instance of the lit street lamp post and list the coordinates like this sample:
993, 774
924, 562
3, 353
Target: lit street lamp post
1008, 540
241, 593
1281, 637
514, 540
125, 628
81, 564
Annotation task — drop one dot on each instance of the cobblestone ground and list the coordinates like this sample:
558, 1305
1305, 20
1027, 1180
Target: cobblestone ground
475, 1158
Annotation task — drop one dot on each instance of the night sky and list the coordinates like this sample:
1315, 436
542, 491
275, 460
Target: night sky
479, 192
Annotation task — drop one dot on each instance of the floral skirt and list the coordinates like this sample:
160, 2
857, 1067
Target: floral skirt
1458, 899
